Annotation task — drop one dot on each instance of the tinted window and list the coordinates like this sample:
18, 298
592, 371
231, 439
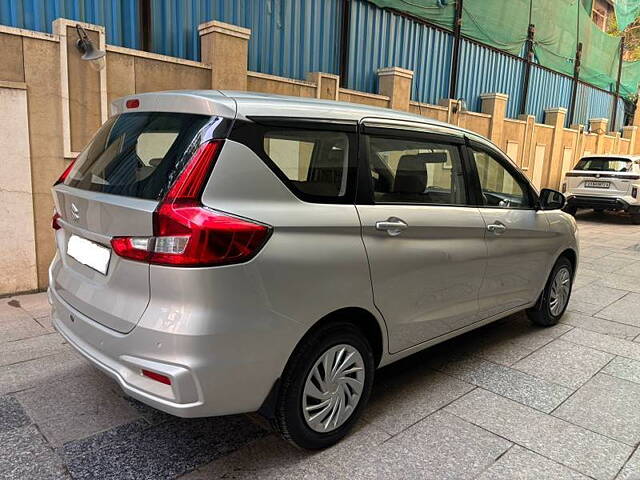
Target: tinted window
315, 162
408, 171
604, 164
137, 154
499, 187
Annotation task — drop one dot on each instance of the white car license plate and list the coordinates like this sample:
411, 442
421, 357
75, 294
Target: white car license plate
89, 253
594, 184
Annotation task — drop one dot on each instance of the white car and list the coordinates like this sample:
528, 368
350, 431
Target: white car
604, 182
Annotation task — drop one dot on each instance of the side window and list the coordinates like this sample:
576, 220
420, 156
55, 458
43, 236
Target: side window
315, 162
499, 187
409, 171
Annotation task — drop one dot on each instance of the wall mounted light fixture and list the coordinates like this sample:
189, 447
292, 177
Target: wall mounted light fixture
89, 52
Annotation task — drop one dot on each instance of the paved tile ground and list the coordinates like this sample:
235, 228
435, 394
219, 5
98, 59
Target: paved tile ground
508, 401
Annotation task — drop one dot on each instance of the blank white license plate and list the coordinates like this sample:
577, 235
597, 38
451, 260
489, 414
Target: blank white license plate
593, 184
89, 253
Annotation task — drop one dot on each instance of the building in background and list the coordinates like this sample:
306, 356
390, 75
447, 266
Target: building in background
602, 12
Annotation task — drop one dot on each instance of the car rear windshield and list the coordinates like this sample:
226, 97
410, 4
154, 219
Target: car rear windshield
137, 154
604, 164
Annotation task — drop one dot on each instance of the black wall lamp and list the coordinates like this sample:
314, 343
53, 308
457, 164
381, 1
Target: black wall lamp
90, 53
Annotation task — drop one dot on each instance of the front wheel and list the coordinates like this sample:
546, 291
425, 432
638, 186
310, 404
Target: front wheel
325, 386
555, 296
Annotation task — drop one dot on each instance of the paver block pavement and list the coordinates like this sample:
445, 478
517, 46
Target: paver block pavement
585, 451
564, 363
600, 325
607, 405
522, 464
508, 382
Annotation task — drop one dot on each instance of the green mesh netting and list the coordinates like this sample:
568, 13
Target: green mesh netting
630, 79
490, 22
626, 12
439, 12
560, 25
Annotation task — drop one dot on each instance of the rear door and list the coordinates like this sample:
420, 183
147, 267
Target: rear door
519, 241
602, 177
424, 241
113, 190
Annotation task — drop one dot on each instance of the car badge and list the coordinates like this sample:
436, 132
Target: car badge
75, 213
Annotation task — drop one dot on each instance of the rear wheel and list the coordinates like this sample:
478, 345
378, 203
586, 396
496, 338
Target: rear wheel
571, 210
635, 218
555, 296
598, 210
325, 387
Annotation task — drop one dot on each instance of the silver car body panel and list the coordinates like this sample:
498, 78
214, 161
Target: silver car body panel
224, 334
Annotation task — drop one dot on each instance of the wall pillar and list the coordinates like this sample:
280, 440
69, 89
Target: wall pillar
636, 116
495, 104
616, 142
599, 127
395, 83
226, 48
83, 90
556, 118
630, 133
327, 85
525, 158
453, 109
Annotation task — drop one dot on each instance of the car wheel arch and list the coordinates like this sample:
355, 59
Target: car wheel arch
371, 327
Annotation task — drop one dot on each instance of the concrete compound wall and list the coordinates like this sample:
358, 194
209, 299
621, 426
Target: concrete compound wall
51, 102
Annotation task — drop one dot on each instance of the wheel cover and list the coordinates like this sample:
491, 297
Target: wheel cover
560, 289
333, 388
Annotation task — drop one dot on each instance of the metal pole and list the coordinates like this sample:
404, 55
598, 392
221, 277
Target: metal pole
455, 57
145, 24
576, 78
344, 42
617, 95
527, 69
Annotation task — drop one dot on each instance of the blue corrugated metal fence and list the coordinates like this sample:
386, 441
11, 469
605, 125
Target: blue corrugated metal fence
484, 71
547, 89
379, 38
293, 37
120, 18
288, 37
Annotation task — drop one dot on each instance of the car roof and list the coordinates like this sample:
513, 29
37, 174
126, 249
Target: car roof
244, 105
612, 156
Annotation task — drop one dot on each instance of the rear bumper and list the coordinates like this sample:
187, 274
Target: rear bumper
608, 203
209, 374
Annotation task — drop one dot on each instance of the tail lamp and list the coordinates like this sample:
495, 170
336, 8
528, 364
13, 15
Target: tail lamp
65, 173
188, 234
56, 216
54, 221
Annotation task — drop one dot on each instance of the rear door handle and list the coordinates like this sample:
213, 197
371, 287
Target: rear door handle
392, 225
496, 228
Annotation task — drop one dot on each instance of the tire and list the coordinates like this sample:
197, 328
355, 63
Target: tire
571, 210
635, 218
598, 211
544, 313
289, 418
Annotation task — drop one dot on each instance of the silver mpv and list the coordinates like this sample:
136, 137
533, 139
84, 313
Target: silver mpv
227, 252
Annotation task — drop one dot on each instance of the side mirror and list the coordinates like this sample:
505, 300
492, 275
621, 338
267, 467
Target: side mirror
551, 199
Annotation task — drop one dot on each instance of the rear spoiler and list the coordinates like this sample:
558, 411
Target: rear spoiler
179, 102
